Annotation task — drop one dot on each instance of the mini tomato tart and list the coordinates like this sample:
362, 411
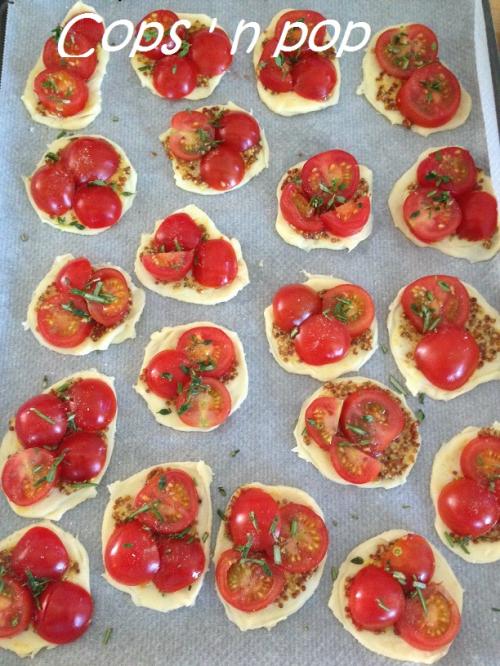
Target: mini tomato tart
189, 259
299, 81
65, 93
59, 445
406, 82
465, 490
195, 69
156, 534
215, 149
444, 336
324, 327
45, 598
194, 376
83, 184
79, 307
325, 202
397, 595
356, 431
446, 202
270, 554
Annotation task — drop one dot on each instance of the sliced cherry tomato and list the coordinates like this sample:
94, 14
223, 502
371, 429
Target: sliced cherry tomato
254, 519
84, 456
451, 169
479, 216
434, 629
275, 73
97, 206
177, 232
204, 404
480, 459
167, 20
411, 556
89, 158
52, 189
192, 135
61, 92
238, 130
298, 211
93, 403
348, 218
333, 172
306, 16
75, 44
165, 372
352, 464
215, 263
114, 285
168, 266
372, 417
245, 584
29, 475
174, 77
208, 349
322, 420
321, 340
351, 305
293, 304
63, 320
222, 168
447, 357
64, 612
89, 28
314, 77
41, 552
430, 97
211, 51
434, 300
468, 508
431, 214
74, 275
171, 500
375, 599
16, 608
303, 538
400, 51
182, 562
132, 556
41, 421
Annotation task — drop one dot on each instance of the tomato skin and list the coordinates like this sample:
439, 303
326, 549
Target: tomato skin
181, 564
34, 430
97, 206
297, 210
451, 169
310, 18
90, 29
445, 296
76, 44
167, 19
330, 167
174, 77
293, 304
321, 340
84, 456
431, 215
60, 327
207, 408
168, 362
93, 402
352, 464
412, 556
468, 508
242, 525
185, 140
303, 545
41, 552
115, 284
322, 419
222, 168
479, 216
273, 76
347, 219
208, 346
16, 608
480, 459
357, 310
178, 232
64, 614
211, 52
131, 556
61, 92
74, 275
400, 51
168, 266
447, 357
238, 130
314, 77
215, 263
369, 585
23, 473
52, 189
89, 158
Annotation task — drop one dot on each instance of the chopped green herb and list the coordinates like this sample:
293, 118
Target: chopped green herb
253, 519
334, 572
234, 453
420, 415
384, 349
108, 632
221, 515
51, 157
357, 560
42, 415
381, 604
165, 411
421, 398
70, 307
222, 491
294, 525
276, 554
397, 386
444, 285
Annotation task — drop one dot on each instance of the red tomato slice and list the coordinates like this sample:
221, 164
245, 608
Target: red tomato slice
97, 206
177, 232
215, 263
375, 599
116, 290
348, 218
480, 459
275, 73
75, 44
167, 19
168, 502
298, 211
322, 420
430, 97
29, 475
329, 174
131, 555
479, 216
165, 373
52, 189
222, 168
174, 77
248, 584
84, 456
468, 508
432, 630
93, 403
254, 517
321, 340
451, 169
61, 92
351, 305
41, 421
352, 464
89, 158
64, 612
411, 556
314, 77
41, 552
208, 349
63, 320
238, 130
74, 275
211, 51
182, 562
303, 538
431, 215
168, 266
16, 608
307, 16
90, 29
400, 51
204, 403
434, 300
192, 135
293, 304
447, 357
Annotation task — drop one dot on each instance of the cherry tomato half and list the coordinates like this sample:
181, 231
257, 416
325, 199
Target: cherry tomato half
41, 552
166, 18
351, 463
208, 349
434, 300
88, 158
75, 44
93, 403
297, 210
84, 456
400, 51
303, 538
275, 73
16, 608
174, 77
348, 218
61, 92
64, 613
41, 421
131, 556
322, 420
114, 285
168, 266
29, 475
192, 135
450, 169
177, 232
182, 562
375, 599
63, 320
211, 52
351, 305
293, 304
314, 77
165, 373
222, 168
321, 340
480, 459
97, 206
89, 28
310, 19
52, 189
411, 556
74, 275
431, 214
255, 516
238, 130
479, 216
206, 405
330, 173
468, 508
215, 263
